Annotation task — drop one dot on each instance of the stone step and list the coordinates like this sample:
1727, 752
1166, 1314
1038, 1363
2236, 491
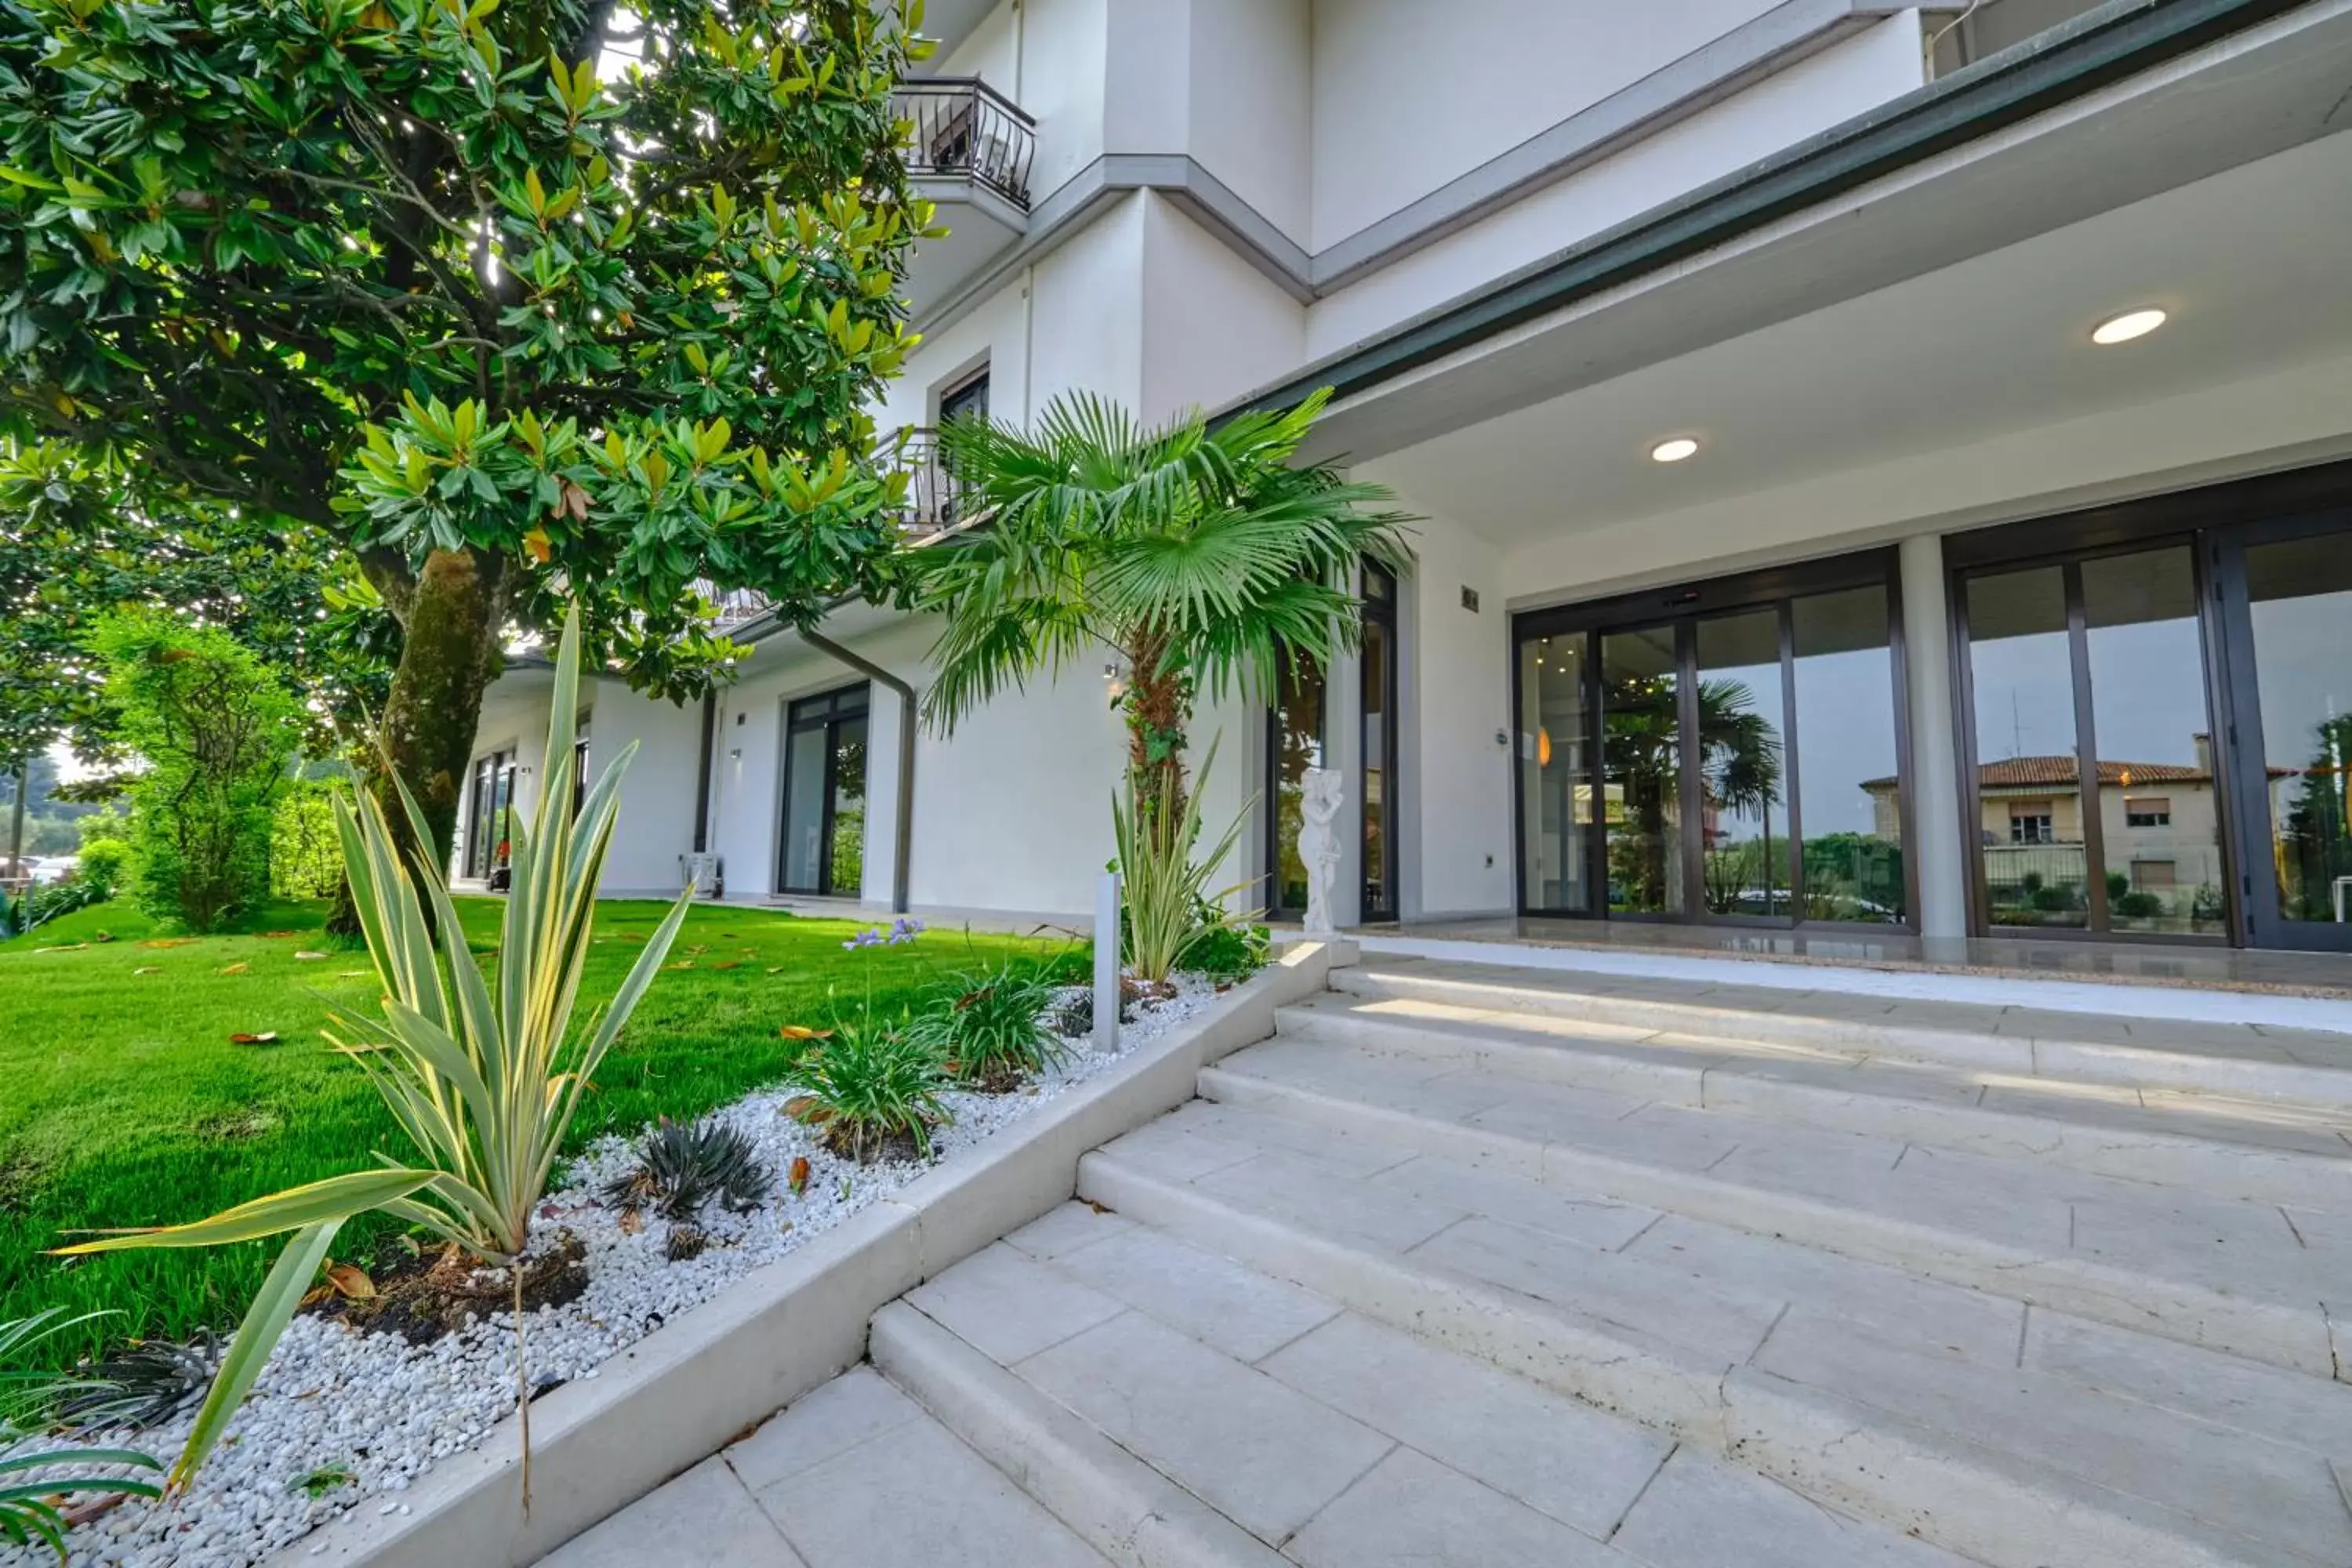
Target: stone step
852, 1475
2012, 1434
2307, 1065
2252, 1279
1162, 1393
2266, 1150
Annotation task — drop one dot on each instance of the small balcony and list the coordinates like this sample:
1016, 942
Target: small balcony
969, 155
933, 500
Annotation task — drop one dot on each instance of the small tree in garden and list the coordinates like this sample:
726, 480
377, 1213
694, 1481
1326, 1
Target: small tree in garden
216, 734
1190, 555
306, 857
482, 1077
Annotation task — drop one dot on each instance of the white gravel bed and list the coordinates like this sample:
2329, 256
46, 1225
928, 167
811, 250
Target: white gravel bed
385, 1411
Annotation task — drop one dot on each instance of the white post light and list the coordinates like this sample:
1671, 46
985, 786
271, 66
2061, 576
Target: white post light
1107, 962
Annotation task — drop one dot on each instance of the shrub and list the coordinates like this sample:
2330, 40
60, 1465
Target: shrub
680, 1168
1167, 910
104, 862
989, 1028
2137, 906
872, 1089
306, 861
1227, 952
217, 732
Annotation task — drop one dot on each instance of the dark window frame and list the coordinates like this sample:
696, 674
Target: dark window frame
824, 712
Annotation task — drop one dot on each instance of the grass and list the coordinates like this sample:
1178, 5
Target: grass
124, 1102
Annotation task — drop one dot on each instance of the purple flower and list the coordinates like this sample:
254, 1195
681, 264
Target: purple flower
871, 937
904, 928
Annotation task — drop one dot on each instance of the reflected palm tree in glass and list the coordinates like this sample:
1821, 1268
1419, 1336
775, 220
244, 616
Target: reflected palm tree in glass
1739, 774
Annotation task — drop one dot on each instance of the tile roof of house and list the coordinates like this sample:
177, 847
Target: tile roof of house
2022, 773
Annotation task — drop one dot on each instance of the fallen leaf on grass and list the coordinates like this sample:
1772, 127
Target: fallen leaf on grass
353, 974
148, 969
68, 947
266, 1038
802, 1031
350, 1281
278, 933
168, 941
684, 963
101, 936
730, 963
238, 968
777, 969
299, 956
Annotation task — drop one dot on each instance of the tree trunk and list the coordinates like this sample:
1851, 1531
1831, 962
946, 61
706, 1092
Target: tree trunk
16, 821
448, 655
1158, 709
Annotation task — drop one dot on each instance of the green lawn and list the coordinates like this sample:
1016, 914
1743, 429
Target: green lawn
123, 1101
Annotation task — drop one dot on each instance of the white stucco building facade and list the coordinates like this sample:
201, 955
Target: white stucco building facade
1851, 256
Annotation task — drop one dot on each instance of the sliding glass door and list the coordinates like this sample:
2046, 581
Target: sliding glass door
1739, 762
823, 818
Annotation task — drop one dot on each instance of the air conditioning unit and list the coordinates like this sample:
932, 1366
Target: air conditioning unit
706, 872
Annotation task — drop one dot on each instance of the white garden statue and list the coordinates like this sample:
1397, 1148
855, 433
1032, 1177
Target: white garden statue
1318, 846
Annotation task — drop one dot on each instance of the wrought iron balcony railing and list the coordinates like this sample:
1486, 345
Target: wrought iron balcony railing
964, 126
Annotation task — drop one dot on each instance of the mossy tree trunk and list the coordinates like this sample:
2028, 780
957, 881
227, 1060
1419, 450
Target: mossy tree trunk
448, 658
1158, 709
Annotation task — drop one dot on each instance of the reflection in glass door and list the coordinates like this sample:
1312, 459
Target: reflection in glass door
2299, 604
1642, 768
1741, 764
1293, 744
2096, 796
1555, 774
824, 819
1743, 804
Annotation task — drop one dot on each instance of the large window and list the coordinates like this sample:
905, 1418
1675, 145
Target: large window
1739, 760
2096, 800
1378, 685
2300, 603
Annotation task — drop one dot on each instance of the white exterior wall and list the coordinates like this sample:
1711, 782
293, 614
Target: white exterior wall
514, 719
1811, 96
1251, 120
657, 821
1408, 96
1213, 326
1457, 789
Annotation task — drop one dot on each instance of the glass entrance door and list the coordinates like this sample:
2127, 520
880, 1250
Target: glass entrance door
2288, 598
824, 826
1734, 763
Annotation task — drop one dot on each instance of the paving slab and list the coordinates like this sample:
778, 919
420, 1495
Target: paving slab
1256, 1450
704, 1519
1411, 1511
1703, 1513
1217, 1301
1011, 1305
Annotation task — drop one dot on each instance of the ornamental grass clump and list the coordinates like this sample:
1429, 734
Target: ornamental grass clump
872, 1090
482, 1076
990, 1029
35, 1479
1169, 910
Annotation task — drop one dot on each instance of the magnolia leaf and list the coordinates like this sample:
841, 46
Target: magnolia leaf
351, 1281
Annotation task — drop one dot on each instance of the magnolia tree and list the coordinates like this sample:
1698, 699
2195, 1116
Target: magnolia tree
508, 299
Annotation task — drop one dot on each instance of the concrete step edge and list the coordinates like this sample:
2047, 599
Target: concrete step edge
2294, 1337
1120, 1506
2208, 1163
2001, 1511
2053, 1056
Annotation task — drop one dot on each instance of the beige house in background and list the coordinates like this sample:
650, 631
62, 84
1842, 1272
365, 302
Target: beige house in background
2158, 822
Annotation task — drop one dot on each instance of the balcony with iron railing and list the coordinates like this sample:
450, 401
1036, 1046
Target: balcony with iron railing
969, 150
965, 129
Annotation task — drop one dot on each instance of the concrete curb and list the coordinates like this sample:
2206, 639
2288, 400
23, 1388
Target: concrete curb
1114, 1501
696, 1384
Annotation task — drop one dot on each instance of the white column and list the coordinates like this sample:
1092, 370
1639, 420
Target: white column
1938, 849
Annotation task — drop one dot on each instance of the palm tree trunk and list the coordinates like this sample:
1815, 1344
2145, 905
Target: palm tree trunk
1159, 709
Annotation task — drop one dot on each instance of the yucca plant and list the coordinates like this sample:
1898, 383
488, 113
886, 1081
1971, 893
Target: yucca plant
870, 1084
33, 1481
990, 1028
483, 1081
1164, 883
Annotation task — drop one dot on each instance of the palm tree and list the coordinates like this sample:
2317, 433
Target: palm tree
1193, 554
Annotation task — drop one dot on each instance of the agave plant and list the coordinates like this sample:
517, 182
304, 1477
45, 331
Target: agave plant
1169, 910
482, 1080
681, 1167
34, 1480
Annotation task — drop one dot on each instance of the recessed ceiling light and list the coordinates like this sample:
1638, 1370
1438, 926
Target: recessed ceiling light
1673, 450
2131, 324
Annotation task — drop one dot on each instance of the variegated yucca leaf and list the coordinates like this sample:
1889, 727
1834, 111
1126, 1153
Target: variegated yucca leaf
482, 1076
